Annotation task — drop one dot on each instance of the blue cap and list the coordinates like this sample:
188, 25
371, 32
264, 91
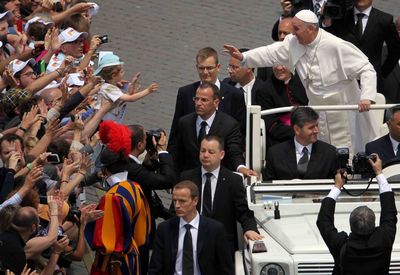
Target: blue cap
107, 61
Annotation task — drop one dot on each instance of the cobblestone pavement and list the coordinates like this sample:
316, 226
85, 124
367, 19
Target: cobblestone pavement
161, 38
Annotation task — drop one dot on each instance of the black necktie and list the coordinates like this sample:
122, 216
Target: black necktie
207, 204
398, 151
187, 256
303, 163
359, 25
202, 132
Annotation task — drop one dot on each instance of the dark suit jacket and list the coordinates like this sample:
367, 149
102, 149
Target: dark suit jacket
184, 147
362, 255
212, 255
383, 147
391, 87
276, 97
149, 180
232, 103
379, 29
282, 164
229, 204
257, 92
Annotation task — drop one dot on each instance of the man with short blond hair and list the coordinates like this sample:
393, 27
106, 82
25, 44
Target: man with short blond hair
231, 99
190, 243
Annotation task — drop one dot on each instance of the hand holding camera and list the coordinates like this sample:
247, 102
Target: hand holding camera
340, 178
161, 144
376, 164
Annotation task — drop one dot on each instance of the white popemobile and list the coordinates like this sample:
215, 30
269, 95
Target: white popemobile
286, 213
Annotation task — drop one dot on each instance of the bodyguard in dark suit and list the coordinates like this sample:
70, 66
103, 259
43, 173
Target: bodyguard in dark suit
222, 194
388, 146
367, 250
303, 157
185, 144
199, 249
392, 86
377, 28
231, 99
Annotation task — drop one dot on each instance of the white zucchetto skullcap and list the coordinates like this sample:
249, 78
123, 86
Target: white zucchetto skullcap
307, 16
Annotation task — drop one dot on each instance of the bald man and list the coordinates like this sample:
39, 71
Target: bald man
51, 96
329, 69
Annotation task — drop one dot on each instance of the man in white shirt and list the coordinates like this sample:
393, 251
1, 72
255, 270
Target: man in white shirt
368, 248
329, 69
190, 243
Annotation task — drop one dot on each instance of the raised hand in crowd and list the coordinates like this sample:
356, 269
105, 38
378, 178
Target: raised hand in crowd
54, 129
153, 87
15, 161
47, 5
134, 85
86, 164
28, 120
39, 161
286, 7
69, 167
9, 79
34, 176
60, 245
27, 271
43, 109
30, 181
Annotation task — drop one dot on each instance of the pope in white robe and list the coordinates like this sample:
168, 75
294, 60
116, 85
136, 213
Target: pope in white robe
329, 69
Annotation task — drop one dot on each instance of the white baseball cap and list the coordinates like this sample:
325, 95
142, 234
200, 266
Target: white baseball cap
70, 35
36, 19
17, 65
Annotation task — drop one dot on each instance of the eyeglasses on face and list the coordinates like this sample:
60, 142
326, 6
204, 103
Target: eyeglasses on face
205, 68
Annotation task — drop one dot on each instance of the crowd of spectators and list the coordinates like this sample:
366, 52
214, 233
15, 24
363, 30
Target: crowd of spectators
57, 90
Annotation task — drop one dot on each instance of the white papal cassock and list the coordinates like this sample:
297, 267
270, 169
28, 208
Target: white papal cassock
329, 68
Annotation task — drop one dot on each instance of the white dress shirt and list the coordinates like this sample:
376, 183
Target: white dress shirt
247, 91
194, 231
